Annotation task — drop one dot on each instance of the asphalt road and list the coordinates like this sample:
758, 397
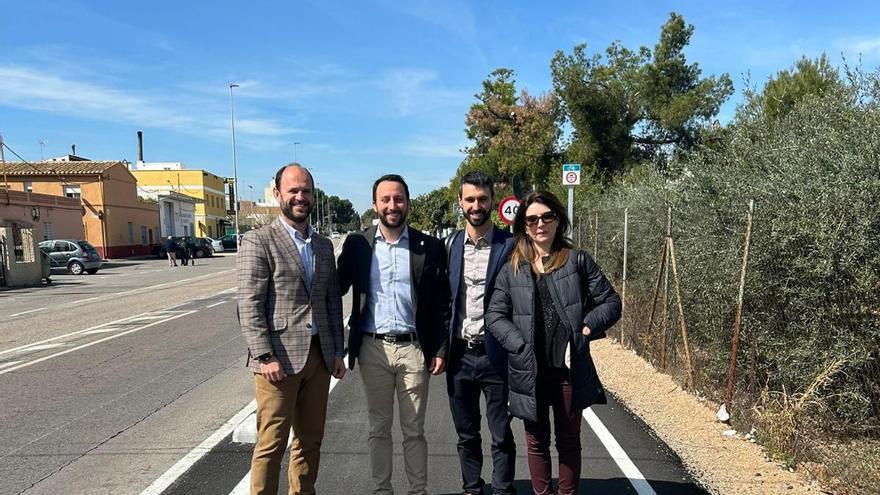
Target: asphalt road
127, 372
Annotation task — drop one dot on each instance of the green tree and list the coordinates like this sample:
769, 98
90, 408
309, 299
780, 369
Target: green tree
343, 215
806, 78
514, 137
636, 105
433, 211
367, 218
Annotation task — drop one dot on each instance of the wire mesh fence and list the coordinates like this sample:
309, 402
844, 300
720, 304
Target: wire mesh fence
685, 280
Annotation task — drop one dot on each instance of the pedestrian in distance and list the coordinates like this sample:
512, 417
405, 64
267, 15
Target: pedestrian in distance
190, 244
290, 312
183, 251
550, 301
171, 251
400, 296
477, 363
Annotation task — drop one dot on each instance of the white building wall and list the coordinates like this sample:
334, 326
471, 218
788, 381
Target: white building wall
176, 217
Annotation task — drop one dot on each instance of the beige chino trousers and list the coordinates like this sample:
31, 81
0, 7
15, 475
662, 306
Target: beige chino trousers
390, 370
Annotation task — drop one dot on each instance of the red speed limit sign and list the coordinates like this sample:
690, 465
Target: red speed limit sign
507, 209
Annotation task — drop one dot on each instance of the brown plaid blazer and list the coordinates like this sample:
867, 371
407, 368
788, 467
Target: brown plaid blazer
275, 307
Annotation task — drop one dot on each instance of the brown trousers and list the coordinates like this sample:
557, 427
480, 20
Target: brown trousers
300, 402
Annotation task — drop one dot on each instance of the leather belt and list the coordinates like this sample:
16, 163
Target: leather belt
477, 347
394, 338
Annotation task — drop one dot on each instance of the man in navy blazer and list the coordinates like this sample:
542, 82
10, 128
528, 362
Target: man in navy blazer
476, 361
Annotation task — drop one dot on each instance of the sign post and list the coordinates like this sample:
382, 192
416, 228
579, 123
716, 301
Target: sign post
571, 176
507, 209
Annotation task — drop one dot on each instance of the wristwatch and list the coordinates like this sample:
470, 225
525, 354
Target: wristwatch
264, 358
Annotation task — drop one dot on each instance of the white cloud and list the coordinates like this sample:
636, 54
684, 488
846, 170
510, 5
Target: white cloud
867, 47
30, 89
433, 148
415, 91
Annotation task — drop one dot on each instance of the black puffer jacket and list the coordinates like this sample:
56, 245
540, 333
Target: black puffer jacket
510, 318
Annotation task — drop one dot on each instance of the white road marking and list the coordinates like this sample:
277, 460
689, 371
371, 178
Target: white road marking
29, 311
133, 291
78, 332
105, 339
175, 471
626, 465
42, 347
218, 303
10, 363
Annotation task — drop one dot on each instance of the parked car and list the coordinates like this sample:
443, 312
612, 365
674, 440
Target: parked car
202, 247
229, 241
335, 235
76, 256
216, 245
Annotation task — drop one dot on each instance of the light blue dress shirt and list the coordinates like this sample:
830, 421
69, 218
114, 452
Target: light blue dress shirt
304, 246
389, 301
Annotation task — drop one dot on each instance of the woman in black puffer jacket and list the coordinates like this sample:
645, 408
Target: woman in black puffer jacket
547, 306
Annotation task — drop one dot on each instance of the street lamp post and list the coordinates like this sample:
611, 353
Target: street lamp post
234, 163
295, 144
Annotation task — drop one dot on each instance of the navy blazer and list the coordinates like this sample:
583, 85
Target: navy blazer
430, 290
502, 245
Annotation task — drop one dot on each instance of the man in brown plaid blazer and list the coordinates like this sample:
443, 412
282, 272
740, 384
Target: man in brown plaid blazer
290, 311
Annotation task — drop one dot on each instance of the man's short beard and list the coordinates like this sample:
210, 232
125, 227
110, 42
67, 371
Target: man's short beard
287, 211
387, 224
482, 222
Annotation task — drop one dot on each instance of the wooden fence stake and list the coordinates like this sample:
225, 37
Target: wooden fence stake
688, 365
657, 287
734, 347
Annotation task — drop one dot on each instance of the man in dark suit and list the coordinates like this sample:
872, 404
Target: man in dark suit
290, 311
477, 362
400, 295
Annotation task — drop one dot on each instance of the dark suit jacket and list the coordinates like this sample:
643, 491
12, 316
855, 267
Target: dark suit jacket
430, 289
502, 245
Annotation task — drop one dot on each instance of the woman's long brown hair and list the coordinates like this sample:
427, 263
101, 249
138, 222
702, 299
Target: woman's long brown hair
524, 249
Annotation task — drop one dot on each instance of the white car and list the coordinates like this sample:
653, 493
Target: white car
335, 235
215, 244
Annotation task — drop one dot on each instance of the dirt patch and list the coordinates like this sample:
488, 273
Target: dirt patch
724, 465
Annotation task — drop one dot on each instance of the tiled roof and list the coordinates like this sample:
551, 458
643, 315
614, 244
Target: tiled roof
58, 168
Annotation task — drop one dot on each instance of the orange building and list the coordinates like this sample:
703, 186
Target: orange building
114, 219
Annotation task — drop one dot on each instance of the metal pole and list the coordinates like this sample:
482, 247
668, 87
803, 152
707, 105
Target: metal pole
570, 204
234, 162
731, 370
596, 237
3, 164
625, 245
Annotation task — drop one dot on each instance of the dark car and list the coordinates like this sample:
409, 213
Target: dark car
202, 247
229, 241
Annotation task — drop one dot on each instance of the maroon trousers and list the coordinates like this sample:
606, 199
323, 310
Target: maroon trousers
554, 395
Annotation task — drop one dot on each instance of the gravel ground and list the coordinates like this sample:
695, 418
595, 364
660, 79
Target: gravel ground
723, 465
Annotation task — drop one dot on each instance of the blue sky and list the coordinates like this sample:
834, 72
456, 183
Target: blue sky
366, 87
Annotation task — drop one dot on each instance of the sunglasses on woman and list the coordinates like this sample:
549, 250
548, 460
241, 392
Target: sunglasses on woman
546, 217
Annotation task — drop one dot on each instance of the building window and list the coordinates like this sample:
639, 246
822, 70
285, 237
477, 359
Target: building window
22, 244
143, 234
130, 233
48, 231
72, 191
210, 231
28, 186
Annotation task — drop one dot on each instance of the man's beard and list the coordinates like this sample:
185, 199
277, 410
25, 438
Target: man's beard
393, 225
287, 211
480, 222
